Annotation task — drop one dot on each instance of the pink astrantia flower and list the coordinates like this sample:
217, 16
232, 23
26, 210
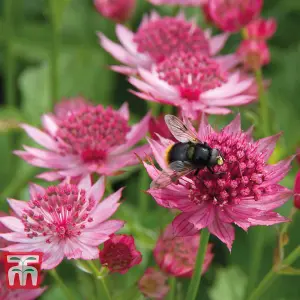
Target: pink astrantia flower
158, 37
63, 221
117, 10
177, 256
120, 254
254, 54
177, 2
261, 29
297, 191
194, 83
153, 284
86, 140
233, 15
244, 190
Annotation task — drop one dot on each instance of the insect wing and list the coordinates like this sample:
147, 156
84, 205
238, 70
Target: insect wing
180, 131
166, 177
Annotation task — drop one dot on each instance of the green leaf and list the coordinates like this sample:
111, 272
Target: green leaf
230, 284
15, 258
131, 293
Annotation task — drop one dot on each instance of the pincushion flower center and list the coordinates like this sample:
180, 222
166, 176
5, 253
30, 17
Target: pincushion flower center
162, 37
61, 212
241, 176
91, 132
191, 73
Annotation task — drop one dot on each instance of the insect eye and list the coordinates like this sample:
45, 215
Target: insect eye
220, 160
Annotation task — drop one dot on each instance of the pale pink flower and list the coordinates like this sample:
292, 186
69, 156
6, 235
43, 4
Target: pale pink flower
158, 37
261, 29
244, 190
153, 284
176, 256
233, 15
119, 253
89, 139
177, 2
194, 83
254, 54
117, 10
63, 221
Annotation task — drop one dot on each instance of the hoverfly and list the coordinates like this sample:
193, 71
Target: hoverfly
189, 154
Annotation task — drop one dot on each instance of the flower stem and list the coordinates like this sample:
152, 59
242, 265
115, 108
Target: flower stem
172, 293
10, 62
54, 52
195, 282
272, 275
60, 282
100, 276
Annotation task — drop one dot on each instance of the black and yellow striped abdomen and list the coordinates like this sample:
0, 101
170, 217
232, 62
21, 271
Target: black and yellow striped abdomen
179, 152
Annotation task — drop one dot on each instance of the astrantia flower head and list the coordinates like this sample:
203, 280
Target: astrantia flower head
233, 15
88, 139
157, 38
120, 254
177, 2
116, 10
194, 83
244, 190
261, 29
63, 221
153, 284
254, 54
177, 256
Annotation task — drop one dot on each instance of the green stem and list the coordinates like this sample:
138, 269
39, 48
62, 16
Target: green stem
272, 275
54, 52
255, 262
100, 276
10, 62
172, 293
195, 282
60, 282
263, 102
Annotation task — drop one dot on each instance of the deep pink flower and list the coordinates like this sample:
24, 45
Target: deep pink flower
120, 254
157, 126
254, 54
297, 191
194, 83
233, 15
177, 256
244, 190
117, 10
157, 38
19, 294
177, 2
63, 221
261, 29
89, 139
153, 284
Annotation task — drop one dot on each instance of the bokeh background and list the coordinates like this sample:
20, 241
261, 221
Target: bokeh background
25, 93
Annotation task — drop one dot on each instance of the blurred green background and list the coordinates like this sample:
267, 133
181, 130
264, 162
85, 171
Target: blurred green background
25, 68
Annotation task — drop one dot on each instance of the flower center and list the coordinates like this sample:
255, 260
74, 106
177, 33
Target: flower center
91, 132
61, 212
118, 256
241, 176
191, 73
162, 37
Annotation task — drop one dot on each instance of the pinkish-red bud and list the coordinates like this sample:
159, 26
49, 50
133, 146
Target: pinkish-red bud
117, 10
297, 191
233, 15
254, 53
261, 29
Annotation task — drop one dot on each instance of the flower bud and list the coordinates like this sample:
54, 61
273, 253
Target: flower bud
261, 29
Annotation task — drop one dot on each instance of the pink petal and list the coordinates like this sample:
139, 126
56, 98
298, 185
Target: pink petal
124, 111
72, 250
12, 223
267, 219
49, 124
97, 190
35, 189
50, 176
20, 237
234, 126
29, 294
267, 145
92, 238
182, 225
228, 61
88, 252
205, 129
224, 231
217, 42
232, 101
108, 227
53, 256
128, 71
159, 152
152, 171
17, 206
40, 137
217, 111
126, 38
85, 183
106, 208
